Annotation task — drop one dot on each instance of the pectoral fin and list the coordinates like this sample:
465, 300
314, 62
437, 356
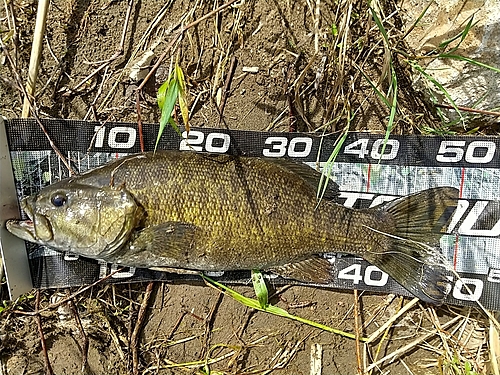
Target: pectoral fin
312, 270
165, 245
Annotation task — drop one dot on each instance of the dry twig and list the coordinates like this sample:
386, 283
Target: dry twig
227, 87
85, 346
356, 332
414, 343
38, 318
178, 35
118, 52
209, 322
134, 339
391, 320
64, 300
468, 109
34, 112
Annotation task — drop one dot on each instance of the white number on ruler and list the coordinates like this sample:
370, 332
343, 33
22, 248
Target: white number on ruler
299, 147
353, 272
494, 275
378, 145
361, 147
103, 271
454, 151
374, 281
475, 286
129, 132
215, 142
488, 156
472, 218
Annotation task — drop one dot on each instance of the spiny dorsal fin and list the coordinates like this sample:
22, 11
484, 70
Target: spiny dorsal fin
308, 174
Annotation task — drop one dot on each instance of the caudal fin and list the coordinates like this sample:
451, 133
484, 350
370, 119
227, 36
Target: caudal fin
413, 258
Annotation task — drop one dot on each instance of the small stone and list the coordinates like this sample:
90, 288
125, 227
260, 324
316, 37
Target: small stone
250, 69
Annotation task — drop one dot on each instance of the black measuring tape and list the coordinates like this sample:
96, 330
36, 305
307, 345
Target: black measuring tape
367, 172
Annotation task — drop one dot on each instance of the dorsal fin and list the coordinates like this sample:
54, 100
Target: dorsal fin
308, 174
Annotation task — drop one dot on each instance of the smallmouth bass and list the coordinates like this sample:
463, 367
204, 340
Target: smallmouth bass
207, 212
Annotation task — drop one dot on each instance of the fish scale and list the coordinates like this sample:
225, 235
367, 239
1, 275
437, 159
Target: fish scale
237, 220
219, 212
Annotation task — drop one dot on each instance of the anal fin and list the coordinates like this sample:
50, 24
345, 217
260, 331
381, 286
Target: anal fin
312, 270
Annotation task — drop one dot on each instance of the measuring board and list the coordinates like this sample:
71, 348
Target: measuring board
367, 173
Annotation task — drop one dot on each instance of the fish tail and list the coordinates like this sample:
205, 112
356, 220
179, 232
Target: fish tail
411, 253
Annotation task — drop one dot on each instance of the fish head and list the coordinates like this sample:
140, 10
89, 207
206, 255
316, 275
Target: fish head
85, 220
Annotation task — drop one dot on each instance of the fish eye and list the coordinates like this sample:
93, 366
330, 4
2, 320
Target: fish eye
59, 200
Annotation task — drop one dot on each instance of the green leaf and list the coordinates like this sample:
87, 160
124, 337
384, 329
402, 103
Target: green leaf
162, 91
173, 124
167, 105
182, 96
335, 31
260, 288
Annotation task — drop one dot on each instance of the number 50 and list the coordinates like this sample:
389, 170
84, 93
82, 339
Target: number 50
453, 152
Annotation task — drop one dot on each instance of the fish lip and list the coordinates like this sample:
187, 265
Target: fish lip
26, 229
22, 228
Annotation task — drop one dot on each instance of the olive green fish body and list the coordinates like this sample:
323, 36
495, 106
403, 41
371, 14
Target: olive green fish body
219, 212
247, 212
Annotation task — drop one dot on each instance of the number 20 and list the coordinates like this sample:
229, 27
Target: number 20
197, 138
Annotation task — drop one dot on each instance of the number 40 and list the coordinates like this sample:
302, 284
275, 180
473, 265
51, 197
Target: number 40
354, 273
378, 149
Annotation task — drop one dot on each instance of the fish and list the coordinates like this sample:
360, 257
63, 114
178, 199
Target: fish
195, 211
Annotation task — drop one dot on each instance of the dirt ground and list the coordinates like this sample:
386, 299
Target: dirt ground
297, 66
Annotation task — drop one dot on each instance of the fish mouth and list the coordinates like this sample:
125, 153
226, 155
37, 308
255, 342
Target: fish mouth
27, 229
24, 229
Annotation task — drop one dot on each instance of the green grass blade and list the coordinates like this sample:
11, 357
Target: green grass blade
419, 69
394, 107
380, 26
327, 169
254, 304
462, 36
374, 87
469, 60
419, 18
